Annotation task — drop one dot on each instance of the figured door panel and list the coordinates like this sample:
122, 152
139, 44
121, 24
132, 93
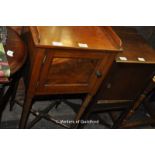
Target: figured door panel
70, 71
68, 74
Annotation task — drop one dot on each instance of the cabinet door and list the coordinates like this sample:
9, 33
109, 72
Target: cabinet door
68, 73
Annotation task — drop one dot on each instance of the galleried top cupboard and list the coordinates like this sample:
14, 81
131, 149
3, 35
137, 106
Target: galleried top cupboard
68, 59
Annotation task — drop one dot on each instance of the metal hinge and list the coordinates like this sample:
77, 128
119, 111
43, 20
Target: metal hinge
44, 59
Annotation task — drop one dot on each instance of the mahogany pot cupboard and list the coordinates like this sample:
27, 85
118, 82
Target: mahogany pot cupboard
130, 74
68, 60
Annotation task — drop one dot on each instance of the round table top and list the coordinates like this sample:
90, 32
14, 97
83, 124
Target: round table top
15, 44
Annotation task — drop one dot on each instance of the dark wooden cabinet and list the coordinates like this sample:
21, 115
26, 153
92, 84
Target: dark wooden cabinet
68, 60
127, 79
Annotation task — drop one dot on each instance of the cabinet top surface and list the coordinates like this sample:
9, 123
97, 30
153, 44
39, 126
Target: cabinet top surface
81, 37
136, 49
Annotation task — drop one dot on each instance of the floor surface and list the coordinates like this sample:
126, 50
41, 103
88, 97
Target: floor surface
63, 113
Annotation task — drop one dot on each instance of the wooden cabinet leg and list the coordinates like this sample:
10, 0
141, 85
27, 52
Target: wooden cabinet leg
82, 110
25, 112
